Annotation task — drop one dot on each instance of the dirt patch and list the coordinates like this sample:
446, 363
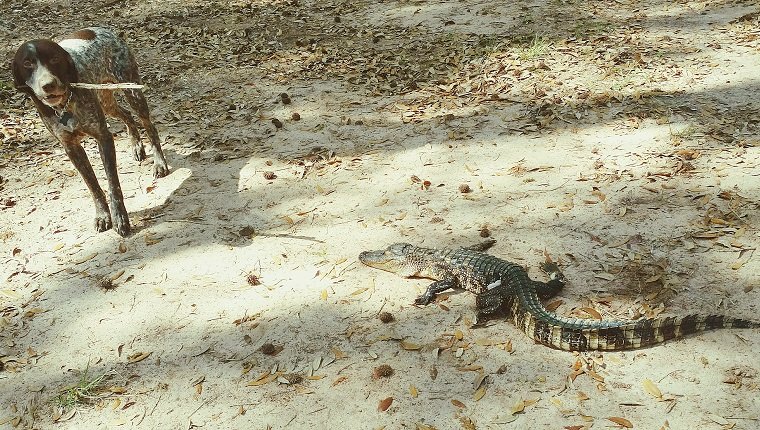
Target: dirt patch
620, 138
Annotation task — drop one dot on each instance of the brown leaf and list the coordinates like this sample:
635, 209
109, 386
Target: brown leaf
621, 422
458, 404
479, 393
384, 404
339, 380
593, 312
138, 356
409, 346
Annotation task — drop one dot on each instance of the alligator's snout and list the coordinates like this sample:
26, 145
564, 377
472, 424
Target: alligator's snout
373, 257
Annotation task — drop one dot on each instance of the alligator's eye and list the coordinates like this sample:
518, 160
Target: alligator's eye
28, 64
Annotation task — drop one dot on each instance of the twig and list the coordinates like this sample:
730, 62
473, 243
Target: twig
539, 190
116, 86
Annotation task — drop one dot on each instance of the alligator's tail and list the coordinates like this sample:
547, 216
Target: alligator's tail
572, 334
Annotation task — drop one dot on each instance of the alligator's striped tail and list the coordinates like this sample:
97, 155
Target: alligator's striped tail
572, 334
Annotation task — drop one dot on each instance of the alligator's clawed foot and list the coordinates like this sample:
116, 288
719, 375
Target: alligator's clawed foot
423, 300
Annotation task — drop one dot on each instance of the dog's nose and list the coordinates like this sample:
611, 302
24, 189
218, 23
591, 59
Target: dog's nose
48, 87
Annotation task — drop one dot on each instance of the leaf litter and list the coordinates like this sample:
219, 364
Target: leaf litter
537, 73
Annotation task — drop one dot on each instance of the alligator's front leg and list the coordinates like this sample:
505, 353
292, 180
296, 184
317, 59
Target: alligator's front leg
490, 303
433, 289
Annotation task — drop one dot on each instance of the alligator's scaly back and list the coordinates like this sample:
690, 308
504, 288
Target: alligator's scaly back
504, 287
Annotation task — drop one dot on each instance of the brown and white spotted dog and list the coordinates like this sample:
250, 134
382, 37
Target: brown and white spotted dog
45, 69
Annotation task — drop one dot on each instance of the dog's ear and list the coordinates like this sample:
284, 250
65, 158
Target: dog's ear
21, 74
66, 70
57, 60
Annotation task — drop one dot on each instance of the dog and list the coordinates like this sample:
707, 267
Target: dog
45, 70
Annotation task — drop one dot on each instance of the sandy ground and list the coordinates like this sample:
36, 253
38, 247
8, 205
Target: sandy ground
618, 137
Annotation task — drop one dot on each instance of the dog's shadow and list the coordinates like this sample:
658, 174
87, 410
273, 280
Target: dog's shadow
201, 200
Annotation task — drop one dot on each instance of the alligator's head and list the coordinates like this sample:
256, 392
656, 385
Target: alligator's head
399, 258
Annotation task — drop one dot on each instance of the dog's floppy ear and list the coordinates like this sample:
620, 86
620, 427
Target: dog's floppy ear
66, 70
57, 60
21, 74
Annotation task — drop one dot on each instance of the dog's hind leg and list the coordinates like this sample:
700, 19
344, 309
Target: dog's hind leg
112, 108
137, 101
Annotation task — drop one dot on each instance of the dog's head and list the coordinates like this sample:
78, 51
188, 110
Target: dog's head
43, 69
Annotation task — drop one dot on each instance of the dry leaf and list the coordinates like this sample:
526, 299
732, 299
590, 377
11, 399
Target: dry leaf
138, 356
413, 391
458, 404
621, 421
384, 404
86, 258
409, 346
479, 393
518, 407
339, 355
652, 389
593, 312
339, 380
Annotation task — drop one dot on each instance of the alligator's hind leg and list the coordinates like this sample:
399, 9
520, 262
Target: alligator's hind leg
546, 290
490, 303
433, 289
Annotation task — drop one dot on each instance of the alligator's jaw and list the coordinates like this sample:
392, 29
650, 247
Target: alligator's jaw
394, 259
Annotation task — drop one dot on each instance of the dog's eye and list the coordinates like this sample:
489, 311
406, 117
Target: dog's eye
28, 64
55, 60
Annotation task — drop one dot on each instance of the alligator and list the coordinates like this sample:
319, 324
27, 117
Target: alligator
504, 288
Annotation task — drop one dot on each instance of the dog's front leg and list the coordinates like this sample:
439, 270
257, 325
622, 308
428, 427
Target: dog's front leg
79, 158
108, 155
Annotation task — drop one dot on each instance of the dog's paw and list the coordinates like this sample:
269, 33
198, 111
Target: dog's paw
121, 225
102, 223
138, 152
160, 170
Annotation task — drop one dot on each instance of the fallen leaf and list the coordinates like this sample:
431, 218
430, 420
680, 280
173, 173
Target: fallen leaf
651, 388
621, 421
409, 346
85, 258
413, 391
479, 393
138, 356
384, 404
593, 312
339, 380
458, 404
518, 407
338, 353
